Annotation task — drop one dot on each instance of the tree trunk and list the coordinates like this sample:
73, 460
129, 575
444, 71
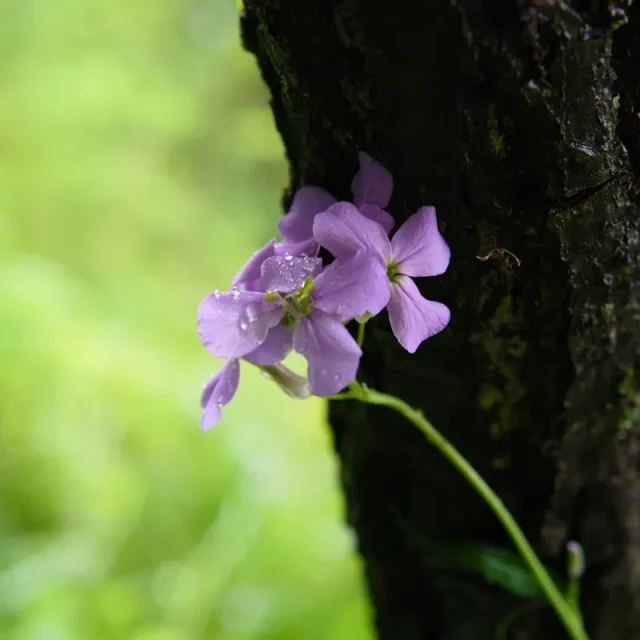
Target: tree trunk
520, 122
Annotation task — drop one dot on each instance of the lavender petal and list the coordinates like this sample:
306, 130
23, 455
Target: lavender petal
414, 318
351, 287
332, 354
307, 248
210, 417
288, 273
231, 325
343, 231
249, 276
297, 225
222, 385
372, 184
275, 347
218, 391
417, 247
382, 217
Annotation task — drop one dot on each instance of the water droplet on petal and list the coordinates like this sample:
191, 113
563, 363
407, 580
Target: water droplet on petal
244, 326
235, 291
288, 257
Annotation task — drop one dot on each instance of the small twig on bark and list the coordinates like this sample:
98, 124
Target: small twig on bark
502, 252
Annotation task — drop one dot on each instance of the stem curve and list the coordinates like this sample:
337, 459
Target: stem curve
566, 611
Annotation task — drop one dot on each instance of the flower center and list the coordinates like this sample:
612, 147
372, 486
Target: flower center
393, 272
297, 304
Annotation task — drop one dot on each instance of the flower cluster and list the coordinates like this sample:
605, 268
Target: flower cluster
284, 298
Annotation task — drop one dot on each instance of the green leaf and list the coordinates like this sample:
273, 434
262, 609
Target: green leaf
497, 565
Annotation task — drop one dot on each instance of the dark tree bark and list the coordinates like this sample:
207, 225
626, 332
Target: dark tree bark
520, 122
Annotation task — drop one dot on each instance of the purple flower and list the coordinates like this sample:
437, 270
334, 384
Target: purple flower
417, 249
218, 391
301, 308
284, 299
222, 386
371, 187
266, 341
248, 278
339, 293
233, 324
286, 273
276, 344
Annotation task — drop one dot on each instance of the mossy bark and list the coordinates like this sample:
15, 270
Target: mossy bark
520, 122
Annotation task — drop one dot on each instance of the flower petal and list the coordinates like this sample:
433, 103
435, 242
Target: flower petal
249, 275
412, 317
331, 352
372, 184
233, 324
306, 247
275, 347
222, 386
288, 273
210, 417
417, 247
297, 225
343, 231
218, 391
351, 287
382, 217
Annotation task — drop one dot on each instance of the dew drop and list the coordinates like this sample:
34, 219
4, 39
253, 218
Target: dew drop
244, 326
288, 257
235, 291
309, 264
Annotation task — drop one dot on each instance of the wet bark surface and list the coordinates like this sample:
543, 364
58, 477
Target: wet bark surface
520, 122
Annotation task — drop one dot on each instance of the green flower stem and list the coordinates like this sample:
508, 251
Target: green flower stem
573, 595
360, 338
565, 611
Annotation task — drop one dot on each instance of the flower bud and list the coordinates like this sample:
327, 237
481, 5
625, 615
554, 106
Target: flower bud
291, 383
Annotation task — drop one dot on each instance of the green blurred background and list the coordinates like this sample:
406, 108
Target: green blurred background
139, 167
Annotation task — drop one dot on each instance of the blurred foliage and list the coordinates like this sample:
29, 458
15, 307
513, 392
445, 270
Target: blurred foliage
139, 167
